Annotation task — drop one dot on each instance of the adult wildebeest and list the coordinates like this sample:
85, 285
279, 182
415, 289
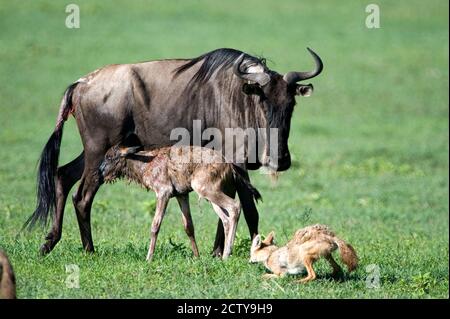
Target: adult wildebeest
224, 88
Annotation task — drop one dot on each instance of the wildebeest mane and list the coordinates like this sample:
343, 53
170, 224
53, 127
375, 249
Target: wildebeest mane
216, 60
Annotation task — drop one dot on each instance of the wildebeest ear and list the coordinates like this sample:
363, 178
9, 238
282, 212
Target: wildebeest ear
304, 90
269, 238
252, 89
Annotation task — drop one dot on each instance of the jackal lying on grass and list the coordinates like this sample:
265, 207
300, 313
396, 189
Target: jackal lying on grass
308, 245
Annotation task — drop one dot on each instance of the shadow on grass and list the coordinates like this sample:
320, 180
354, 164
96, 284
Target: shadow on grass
338, 278
164, 250
341, 277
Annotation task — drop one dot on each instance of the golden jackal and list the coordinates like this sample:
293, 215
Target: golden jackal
307, 246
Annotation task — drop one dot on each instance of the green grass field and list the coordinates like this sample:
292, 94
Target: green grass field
370, 147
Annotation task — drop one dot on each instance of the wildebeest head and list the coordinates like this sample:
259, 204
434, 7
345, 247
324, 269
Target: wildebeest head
277, 95
273, 93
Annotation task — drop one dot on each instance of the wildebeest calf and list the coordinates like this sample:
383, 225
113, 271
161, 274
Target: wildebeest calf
174, 172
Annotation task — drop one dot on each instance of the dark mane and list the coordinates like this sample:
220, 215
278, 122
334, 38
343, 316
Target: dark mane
215, 60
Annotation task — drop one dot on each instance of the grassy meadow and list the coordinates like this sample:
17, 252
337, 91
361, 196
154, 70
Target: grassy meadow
370, 147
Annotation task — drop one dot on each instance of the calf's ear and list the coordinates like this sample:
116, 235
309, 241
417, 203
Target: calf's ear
304, 90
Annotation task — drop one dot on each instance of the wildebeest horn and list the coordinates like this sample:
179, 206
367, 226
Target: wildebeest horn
293, 77
261, 78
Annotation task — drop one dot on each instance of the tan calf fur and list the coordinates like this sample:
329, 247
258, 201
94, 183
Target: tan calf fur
174, 172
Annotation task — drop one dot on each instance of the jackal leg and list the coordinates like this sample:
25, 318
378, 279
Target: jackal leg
308, 262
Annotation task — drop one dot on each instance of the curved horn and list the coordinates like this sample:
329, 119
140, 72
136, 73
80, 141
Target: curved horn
293, 77
261, 78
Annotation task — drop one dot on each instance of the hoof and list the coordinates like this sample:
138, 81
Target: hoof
217, 252
45, 249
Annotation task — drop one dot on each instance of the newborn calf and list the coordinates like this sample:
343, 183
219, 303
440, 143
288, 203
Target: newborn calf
174, 172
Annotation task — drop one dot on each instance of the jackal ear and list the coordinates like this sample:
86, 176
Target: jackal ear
269, 239
256, 241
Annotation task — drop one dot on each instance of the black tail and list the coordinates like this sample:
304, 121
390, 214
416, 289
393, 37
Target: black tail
48, 164
243, 181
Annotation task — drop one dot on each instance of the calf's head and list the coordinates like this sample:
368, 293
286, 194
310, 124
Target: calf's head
115, 160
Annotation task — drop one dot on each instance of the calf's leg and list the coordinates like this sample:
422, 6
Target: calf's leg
183, 201
161, 206
219, 242
233, 212
250, 213
228, 211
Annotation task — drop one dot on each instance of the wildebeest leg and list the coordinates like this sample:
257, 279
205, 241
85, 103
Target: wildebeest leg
183, 201
248, 207
66, 177
224, 223
219, 241
161, 206
83, 198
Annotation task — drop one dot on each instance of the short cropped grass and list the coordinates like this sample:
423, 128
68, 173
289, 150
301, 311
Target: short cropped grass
370, 147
